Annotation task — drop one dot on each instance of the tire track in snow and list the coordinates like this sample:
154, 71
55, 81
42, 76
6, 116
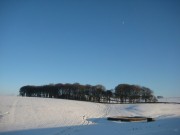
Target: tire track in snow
33, 112
71, 129
106, 110
82, 117
12, 111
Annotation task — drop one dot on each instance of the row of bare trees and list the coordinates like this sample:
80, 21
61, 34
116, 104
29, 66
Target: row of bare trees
133, 94
124, 93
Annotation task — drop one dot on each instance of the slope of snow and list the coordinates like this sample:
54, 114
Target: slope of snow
28, 115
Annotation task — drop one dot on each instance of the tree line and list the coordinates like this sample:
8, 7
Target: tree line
123, 93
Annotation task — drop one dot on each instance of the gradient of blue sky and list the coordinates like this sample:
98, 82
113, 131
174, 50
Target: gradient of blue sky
91, 42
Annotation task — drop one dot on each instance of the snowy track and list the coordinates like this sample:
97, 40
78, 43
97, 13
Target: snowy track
28, 115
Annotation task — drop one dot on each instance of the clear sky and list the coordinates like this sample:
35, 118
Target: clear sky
93, 42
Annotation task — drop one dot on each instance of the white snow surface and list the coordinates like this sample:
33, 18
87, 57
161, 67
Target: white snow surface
34, 116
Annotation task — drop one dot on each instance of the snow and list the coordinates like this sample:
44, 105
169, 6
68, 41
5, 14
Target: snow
170, 99
34, 116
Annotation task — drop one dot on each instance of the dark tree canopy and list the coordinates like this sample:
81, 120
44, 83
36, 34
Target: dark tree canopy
134, 93
123, 93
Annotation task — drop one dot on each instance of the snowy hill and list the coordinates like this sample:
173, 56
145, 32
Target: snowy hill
28, 115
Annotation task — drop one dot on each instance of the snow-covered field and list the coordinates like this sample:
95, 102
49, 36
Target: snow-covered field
34, 116
170, 99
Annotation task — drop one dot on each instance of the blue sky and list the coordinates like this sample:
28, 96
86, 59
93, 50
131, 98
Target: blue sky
104, 42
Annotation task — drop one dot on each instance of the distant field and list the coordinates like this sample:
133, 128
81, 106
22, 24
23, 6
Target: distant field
170, 99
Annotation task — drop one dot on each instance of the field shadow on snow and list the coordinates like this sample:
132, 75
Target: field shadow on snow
169, 126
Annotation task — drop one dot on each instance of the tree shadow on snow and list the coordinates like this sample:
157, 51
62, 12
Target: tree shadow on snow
105, 127
89, 127
44, 131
